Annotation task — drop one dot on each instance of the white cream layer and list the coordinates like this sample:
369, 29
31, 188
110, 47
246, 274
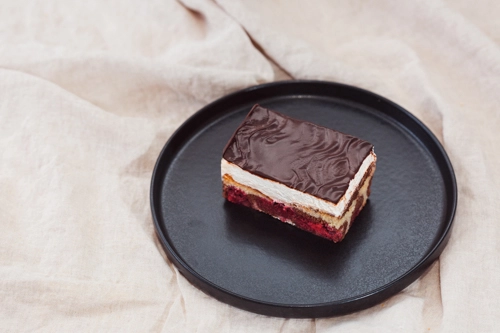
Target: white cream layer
287, 195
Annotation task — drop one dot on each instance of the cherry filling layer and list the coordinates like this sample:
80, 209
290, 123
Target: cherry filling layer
288, 213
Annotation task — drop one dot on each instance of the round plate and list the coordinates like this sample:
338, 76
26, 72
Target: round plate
257, 263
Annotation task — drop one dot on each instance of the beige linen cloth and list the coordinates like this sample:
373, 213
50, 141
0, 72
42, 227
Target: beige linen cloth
90, 91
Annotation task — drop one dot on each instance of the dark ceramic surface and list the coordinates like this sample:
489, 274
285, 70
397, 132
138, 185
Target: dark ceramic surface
257, 263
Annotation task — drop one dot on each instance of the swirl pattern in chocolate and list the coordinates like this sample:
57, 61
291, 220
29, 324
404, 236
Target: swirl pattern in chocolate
301, 155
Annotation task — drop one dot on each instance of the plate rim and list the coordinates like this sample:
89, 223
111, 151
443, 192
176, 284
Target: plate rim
314, 310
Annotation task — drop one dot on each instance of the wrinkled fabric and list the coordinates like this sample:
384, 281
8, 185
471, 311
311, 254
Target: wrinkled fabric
91, 91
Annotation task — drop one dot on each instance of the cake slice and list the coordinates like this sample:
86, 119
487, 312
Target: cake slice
307, 175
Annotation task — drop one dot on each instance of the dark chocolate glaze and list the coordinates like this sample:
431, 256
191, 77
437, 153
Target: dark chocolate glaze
303, 156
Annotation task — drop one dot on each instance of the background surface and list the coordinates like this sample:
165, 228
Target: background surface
89, 94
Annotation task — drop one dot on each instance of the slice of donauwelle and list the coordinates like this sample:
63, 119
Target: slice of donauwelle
307, 175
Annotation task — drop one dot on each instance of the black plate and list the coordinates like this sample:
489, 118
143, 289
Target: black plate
257, 263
